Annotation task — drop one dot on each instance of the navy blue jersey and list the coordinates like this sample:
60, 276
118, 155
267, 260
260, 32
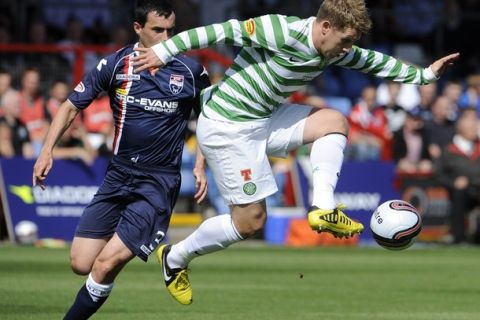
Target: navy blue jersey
150, 112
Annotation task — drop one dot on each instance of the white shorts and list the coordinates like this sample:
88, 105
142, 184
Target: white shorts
237, 152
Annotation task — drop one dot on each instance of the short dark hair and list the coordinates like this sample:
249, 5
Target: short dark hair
143, 7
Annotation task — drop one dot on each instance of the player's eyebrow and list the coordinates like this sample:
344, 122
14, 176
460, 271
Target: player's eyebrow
160, 29
349, 39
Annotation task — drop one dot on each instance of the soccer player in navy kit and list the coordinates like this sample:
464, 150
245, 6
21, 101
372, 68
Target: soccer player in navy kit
130, 213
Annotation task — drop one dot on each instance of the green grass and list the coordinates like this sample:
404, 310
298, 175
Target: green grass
260, 283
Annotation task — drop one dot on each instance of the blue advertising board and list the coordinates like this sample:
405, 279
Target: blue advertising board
55, 210
72, 184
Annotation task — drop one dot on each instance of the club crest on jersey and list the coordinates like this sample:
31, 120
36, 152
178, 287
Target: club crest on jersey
176, 83
249, 188
80, 87
250, 27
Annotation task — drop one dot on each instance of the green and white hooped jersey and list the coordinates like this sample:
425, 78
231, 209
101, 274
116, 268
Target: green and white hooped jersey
277, 58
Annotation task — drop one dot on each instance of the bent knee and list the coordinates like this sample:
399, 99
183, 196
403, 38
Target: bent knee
337, 123
80, 267
250, 222
322, 122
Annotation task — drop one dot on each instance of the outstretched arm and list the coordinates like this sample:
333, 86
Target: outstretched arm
387, 67
63, 119
266, 31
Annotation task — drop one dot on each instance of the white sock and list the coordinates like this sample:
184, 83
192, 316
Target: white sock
214, 234
326, 158
97, 290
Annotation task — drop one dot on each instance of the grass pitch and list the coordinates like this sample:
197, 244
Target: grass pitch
260, 283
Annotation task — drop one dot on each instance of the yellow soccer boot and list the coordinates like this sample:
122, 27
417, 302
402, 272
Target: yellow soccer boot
334, 221
176, 280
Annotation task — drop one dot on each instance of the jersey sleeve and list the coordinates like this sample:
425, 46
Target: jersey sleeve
267, 31
384, 66
93, 83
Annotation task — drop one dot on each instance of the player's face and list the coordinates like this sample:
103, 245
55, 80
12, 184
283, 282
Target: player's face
157, 28
332, 42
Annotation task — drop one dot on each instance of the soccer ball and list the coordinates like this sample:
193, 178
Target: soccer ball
395, 224
26, 232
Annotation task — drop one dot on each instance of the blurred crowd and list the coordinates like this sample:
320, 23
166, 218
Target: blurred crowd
26, 113
430, 130
416, 31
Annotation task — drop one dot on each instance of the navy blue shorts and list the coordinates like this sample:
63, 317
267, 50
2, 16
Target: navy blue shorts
136, 202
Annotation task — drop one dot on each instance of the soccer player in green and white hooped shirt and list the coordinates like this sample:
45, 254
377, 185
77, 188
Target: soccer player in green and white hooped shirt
244, 118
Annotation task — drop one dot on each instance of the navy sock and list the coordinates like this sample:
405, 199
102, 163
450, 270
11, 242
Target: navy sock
89, 299
84, 306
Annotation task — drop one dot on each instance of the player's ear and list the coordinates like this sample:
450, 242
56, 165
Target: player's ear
325, 26
137, 27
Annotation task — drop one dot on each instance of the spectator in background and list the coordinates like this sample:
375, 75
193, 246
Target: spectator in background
453, 91
32, 108
15, 138
9, 116
428, 94
58, 94
471, 96
410, 150
8, 95
395, 113
440, 129
458, 169
369, 133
